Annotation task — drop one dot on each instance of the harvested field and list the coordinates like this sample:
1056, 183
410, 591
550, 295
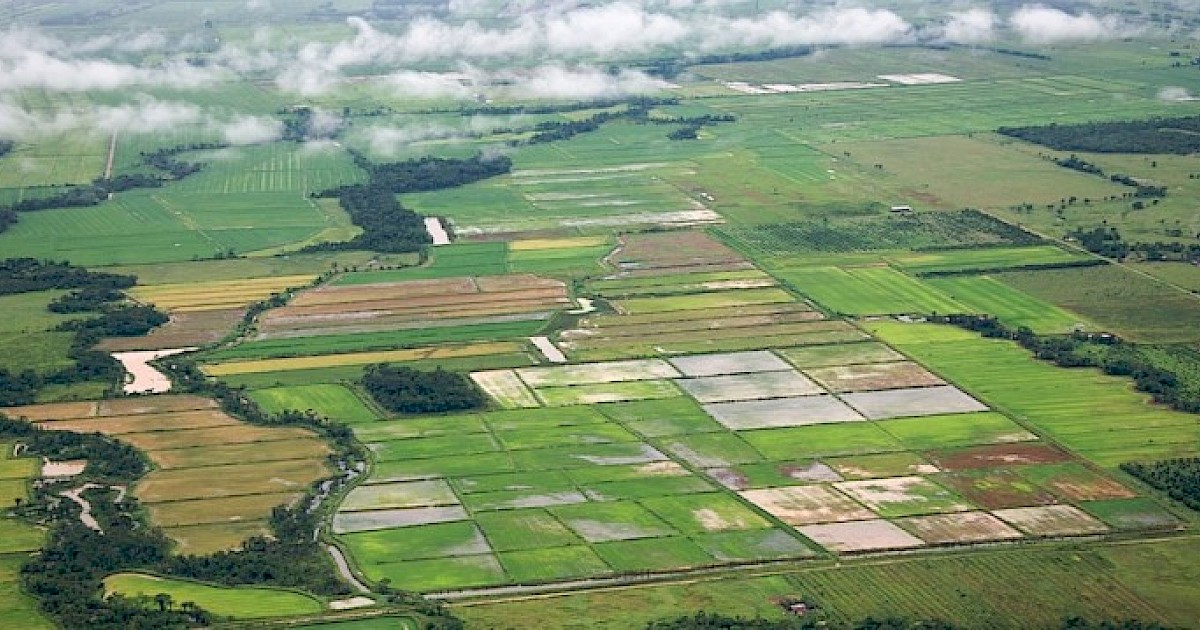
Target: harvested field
657, 250
998, 455
782, 412
700, 319
349, 522
603, 522
588, 373
218, 455
1051, 520
881, 465
729, 363
606, 393
210, 538
903, 496
873, 535
184, 330
117, 407
997, 489
557, 243
967, 527
359, 358
506, 388
873, 376
195, 438
229, 480
146, 422
695, 301
804, 505
213, 511
1075, 482
215, 295
920, 401
735, 387
840, 354
429, 493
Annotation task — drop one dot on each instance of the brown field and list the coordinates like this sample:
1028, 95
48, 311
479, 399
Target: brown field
712, 321
872, 535
1080, 483
1051, 520
53, 411
842, 354
232, 434
206, 539
740, 332
185, 329
698, 315
223, 510
144, 423
332, 294
359, 358
689, 249
998, 455
303, 448
875, 376
398, 305
804, 505
965, 527
121, 406
230, 480
997, 489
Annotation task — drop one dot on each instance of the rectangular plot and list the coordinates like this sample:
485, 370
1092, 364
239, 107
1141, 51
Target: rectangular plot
804, 505
546, 481
782, 412
920, 401
707, 512
662, 417
618, 520
542, 418
997, 489
626, 472
723, 299
840, 354
441, 540
707, 450
156, 422
505, 388
222, 510
1051, 520
998, 455
407, 470
537, 565
587, 455
562, 436
588, 373
349, 522
821, 440
440, 573
606, 393
1075, 482
736, 387
766, 544
648, 555
770, 474
405, 428
512, 499
874, 535
429, 493
925, 432
873, 376
417, 448
881, 465
903, 496
1139, 513
965, 527
729, 363
642, 488
511, 530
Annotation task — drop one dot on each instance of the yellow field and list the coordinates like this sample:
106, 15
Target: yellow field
557, 243
358, 358
220, 294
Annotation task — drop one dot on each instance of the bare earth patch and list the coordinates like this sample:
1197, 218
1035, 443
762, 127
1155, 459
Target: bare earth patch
875, 376
1051, 520
781, 412
872, 535
729, 363
966, 527
920, 401
346, 522
804, 505
735, 387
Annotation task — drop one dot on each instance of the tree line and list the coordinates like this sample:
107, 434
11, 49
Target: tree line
1105, 351
1107, 241
1180, 136
717, 621
387, 225
1179, 478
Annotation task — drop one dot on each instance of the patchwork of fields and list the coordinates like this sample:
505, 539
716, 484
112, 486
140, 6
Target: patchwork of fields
216, 478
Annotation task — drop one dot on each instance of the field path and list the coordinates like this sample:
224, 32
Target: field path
112, 153
344, 568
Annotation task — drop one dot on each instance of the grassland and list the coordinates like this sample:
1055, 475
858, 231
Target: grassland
236, 603
331, 401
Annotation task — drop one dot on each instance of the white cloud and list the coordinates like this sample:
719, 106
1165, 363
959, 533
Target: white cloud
251, 130
1043, 25
1175, 94
969, 27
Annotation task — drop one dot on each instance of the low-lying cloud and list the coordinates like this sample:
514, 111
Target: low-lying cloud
1043, 25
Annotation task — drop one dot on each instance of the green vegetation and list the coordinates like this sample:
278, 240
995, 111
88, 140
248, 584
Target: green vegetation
335, 402
1179, 478
406, 390
1157, 135
237, 603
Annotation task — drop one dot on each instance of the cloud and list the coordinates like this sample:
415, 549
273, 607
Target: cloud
251, 130
562, 82
146, 115
1175, 94
969, 27
1039, 24
430, 85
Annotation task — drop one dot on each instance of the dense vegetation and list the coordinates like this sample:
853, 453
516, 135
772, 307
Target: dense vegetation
1107, 241
24, 275
406, 390
387, 225
1179, 478
1104, 351
712, 621
1156, 135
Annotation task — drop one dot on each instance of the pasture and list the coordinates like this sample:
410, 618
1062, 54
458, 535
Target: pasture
236, 603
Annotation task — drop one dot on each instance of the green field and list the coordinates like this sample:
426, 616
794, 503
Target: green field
869, 291
1097, 416
335, 402
986, 295
240, 603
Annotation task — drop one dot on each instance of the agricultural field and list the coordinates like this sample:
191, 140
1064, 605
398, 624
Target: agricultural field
216, 478
235, 603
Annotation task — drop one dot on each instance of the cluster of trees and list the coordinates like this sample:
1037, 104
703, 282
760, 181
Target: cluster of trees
1180, 136
1179, 478
1106, 241
1141, 190
406, 390
6, 147
691, 125
387, 225
1107, 352
108, 460
92, 194
671, 68
94, 292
